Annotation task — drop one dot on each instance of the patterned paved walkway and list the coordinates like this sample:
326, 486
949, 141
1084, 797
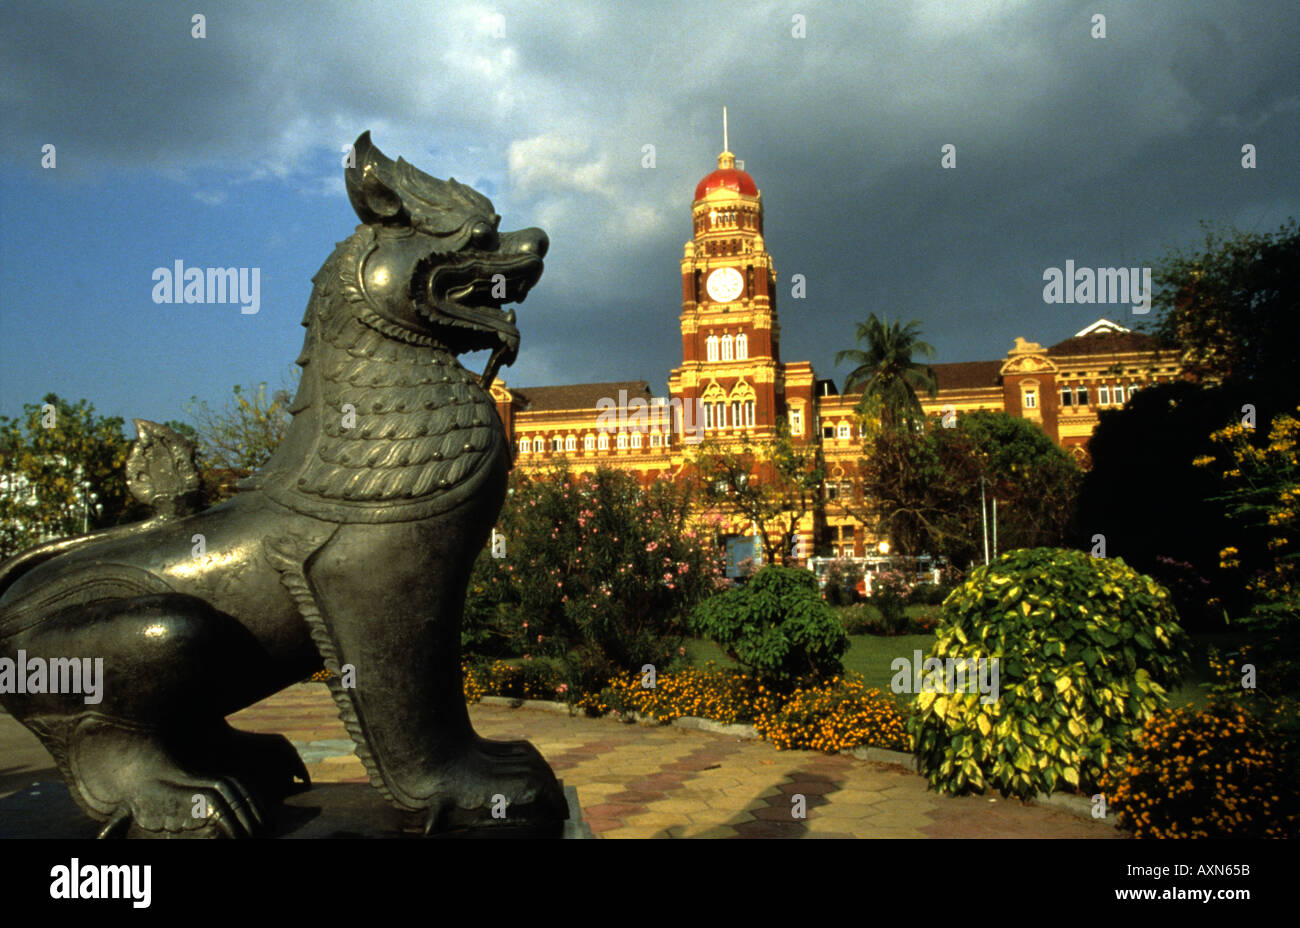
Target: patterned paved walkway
637, 781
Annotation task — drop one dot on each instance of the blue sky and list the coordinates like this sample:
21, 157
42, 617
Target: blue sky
224, 151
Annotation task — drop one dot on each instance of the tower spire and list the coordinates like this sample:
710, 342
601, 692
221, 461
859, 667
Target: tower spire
725, 146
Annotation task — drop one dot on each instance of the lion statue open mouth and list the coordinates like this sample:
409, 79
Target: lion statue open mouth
352, 546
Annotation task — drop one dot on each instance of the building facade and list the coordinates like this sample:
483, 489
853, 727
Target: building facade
733, 386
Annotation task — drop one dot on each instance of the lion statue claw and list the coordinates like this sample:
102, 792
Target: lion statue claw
352, 547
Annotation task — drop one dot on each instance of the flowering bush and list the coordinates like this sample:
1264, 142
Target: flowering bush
1231, 770
594, 565
831, 715
531, 679
1207, 774
842, 577
707, 692
834, 715
890, 590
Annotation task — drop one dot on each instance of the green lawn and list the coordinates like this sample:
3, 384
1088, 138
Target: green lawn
872, 655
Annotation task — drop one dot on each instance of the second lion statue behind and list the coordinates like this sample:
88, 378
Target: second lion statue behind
352, 546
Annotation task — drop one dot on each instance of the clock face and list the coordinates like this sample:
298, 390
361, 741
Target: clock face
725, 284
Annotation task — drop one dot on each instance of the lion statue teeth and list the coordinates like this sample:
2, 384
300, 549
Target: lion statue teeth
352, 547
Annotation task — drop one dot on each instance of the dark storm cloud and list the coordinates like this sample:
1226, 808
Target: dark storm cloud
1104, 151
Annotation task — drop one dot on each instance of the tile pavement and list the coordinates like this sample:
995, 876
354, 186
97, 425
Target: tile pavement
637, 781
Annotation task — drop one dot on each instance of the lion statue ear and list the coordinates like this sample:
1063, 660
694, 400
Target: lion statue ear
369, 188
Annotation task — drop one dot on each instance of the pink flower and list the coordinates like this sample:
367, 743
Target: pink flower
562, 688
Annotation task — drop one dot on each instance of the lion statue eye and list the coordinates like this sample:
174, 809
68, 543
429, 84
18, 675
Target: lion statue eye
483, 236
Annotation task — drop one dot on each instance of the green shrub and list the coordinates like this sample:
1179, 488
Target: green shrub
777, 626
1085, 649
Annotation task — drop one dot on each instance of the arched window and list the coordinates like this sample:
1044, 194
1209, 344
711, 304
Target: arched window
557, 444
589, 443
537, 445
749, 414
570, 444
711, 347
636, 439
742, 347
842, 431
736, 415
524, 445
622, 441
1029, 395
603, 442
726, 348
720, 415
708, 415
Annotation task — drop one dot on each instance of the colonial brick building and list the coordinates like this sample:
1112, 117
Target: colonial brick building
733, 385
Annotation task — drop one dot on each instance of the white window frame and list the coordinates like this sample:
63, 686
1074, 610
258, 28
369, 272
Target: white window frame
602, 441
727, 352
636, 441
539, 445
1029, 397
749, 414
796, 422
711, 348
525, 446
621, 441
842, 431
1103, 394
742, 347
589, 443
570, 444
557, 444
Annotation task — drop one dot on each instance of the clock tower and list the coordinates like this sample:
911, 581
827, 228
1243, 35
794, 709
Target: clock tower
731, 374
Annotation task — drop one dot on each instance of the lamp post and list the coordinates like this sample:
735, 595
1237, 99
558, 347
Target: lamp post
984, 521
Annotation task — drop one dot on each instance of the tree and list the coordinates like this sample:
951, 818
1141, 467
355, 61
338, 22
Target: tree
238, 438
886, 371
1233, 308
921, 488
772, 483
64, 473
1155, 508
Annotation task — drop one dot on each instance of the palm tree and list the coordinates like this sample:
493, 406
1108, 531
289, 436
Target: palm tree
886, 373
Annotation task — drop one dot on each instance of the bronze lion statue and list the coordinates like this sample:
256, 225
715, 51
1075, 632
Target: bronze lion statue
352, 547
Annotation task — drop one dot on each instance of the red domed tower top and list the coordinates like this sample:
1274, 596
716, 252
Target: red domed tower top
726, 177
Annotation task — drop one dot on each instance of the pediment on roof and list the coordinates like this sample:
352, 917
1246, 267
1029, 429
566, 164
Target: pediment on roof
1027, 358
